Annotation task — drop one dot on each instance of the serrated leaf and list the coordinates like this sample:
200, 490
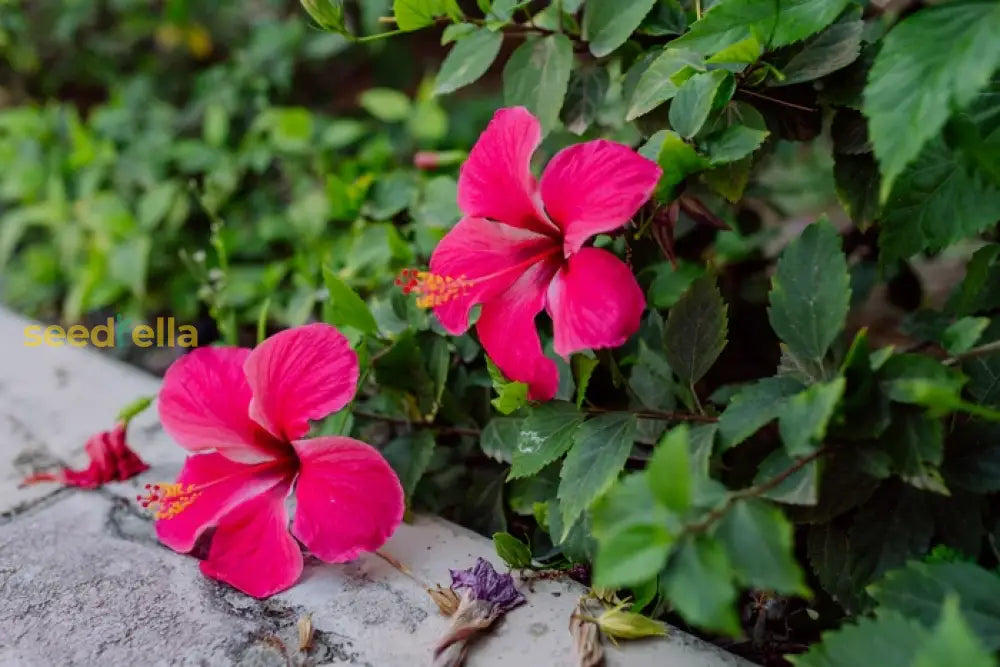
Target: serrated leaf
827, 551
892, 527
669, 470
512, 551
694, 100
386, 104
416, 14
586, 92
754, 406
409, 455
733, 143
583, 368
632, 555
344, 307
537, 76
661, 80
887, 641
676, 158
599, 453
920, 589
468, 60
730, 21
803, 418
952, 642
857, 182
936, 202
608, 23
499, 438
811, 291
738, 55
698, 581
696, 329
799, 488
758, 540
962, 334
546, 434
729, 180
834, 48
913, 86
630, 502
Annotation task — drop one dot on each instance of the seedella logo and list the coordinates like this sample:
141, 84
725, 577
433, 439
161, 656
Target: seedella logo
117, 331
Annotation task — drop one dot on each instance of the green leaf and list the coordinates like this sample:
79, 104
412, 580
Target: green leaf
857, 182
386, 104
915, 85
810, 291
344, 308
537, 76
583, 368
729, 180
804, 417
892, 527
468, 60
328, 14
694, 101
512, 551
799, 488
834, 48
698, 581
632, 555
738, 55
978, 273
499, 438
888, 641
630, 502
936, 202
587, 90
608, 23
669, 470
599, 453
676, 158
546, 434
417, 14
456, 31
696, 330
730, 21
952, 642
754, 406
920, 589
962, 334
758, 540
409, 455
733, 143
661, 80
511, 396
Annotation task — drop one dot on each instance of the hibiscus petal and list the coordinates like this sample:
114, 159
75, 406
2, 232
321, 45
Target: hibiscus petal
205, 404
300, 374
496, 181
111, 460
486, 256
507, 331
595, 187
348, 499
594, 302
225, 485
252, 550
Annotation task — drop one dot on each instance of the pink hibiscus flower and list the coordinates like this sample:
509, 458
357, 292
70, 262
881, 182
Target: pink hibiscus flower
520, 248
111, 460
244, 413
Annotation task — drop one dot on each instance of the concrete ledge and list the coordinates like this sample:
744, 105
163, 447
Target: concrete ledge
84, 581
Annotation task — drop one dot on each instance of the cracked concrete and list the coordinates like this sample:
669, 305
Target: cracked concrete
83, 580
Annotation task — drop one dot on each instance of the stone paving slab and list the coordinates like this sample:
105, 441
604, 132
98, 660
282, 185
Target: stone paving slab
83, 580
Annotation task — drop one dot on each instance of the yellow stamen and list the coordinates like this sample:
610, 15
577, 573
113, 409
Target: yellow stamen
168, 500
432, 289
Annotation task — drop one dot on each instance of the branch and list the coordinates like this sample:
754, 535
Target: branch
750, 492
660, 414
980, 351
440, 430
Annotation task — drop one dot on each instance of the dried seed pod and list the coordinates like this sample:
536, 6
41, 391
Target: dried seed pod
305, 626
586, 639
445, 599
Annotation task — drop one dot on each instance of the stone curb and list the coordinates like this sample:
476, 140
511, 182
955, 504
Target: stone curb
84, 581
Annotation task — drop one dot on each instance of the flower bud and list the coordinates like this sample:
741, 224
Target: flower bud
628, 625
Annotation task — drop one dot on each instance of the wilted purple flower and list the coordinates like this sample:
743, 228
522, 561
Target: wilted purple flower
487, 584
488, 595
